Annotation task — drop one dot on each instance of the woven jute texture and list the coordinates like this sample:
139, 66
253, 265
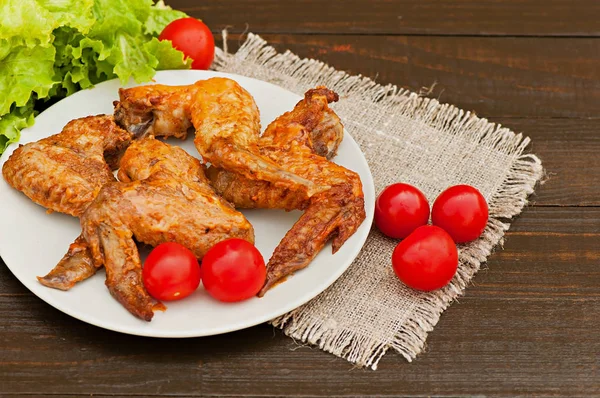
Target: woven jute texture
405, 138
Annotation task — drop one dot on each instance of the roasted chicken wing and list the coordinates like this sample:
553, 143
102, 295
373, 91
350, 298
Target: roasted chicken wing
302, 141
75, 266
223, 115
311, 126
64, 173
162, 196
286, 168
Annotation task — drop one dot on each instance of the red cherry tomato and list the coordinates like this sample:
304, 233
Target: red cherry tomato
233, 270
400, 209
427, 259
193, 38
462, 211
171, 272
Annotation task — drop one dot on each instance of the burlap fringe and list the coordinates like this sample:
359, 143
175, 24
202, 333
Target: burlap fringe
296, 74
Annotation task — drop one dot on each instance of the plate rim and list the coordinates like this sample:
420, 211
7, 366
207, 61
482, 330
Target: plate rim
90, 318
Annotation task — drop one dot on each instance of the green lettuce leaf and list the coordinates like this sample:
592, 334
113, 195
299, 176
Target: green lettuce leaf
73, 13
168, 57
25, 23
12, 123
131, 59
117, 17
23, 72
160, 16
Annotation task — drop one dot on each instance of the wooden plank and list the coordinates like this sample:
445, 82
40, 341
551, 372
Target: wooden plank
494, 347
495, 77
568, 149
528, 325
424, 17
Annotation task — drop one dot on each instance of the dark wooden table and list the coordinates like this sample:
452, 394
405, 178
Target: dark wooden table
529, 324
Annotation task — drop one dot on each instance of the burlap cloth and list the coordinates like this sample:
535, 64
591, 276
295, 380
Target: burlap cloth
410, 139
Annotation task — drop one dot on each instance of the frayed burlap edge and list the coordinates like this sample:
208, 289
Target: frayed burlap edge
296, 74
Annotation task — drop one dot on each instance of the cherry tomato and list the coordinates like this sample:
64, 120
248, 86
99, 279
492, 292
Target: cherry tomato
462, 211
193, 38
171, 272
427, 259
400, 209
233, 270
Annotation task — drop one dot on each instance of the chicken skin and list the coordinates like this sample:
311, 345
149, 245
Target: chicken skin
286, 168
162, 196
64, 173
223, 115
302, 141
75, 266
311, 125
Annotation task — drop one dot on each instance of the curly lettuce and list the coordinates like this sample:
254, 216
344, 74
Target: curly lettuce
50, 49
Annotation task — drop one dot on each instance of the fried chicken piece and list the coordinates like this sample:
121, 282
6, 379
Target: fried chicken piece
75, 266
64, 173
163, 196
155, 110
286, 168
302, 141
311, 124
192, 213
224, 116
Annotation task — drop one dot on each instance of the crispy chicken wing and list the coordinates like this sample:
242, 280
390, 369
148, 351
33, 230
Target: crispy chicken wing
64, 173
224, 116
192, 214
155, 110
163, 196
313, 125
302, 141
75, 266
287, 168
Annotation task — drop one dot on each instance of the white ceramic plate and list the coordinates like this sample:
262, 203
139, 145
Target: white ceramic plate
32, 242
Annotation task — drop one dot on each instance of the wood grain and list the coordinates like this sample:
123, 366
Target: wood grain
528, 325
568, 149
495, 77
393, 17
